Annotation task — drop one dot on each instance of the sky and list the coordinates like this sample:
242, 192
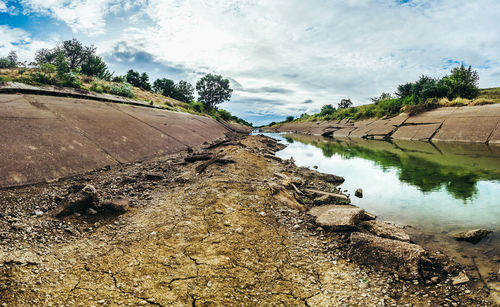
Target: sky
283, 57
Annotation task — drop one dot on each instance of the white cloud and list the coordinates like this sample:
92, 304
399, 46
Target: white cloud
15, 39
322, 50
3, 6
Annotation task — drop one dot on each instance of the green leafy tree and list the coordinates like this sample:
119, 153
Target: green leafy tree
10, 61
96, 67
327, 109
462, 82
61, 65
184, 91
164, 86
138, 80
145, 82
345, 103
289, 118
75, 53
213, 90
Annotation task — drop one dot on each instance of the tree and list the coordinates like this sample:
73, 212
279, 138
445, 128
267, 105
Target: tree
462, 82
164, 86
76, 54
327, 109
95, 66
73, 50
213, 90
61, 65
345, 103
289, 118
10, 61
184, 91
145, 82
404, 90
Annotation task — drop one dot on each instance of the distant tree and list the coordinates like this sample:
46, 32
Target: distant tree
345, 103
119, 79
95, 66
73, 50
10, 61
145, 82
184, 91
327, 109
404, 90
76, 54
289, 118
213, 90
61, 65
383, 96
164, 86
134, 78
462, 82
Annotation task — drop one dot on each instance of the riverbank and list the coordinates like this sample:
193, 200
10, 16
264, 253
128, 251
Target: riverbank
227, 230
475, 124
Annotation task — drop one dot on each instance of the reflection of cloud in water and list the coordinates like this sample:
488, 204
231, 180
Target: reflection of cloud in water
419, 187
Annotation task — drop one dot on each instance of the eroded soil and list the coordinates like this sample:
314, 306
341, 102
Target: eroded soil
231, 235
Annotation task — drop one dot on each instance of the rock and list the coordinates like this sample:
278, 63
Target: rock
402, 258
385, 230
315, 167
154, 176
368, 216
460, 279
359, 193
337, 217
115, 206
38, 212
323, 200
91, 211
77, 202
473, 236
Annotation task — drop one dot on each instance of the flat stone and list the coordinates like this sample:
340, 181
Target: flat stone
385, 230
115, 206
460, 279
79, 202
472, 236
402, 258
337, 217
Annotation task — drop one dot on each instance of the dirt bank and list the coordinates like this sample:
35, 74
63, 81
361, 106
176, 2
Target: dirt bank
232, 233
476, 124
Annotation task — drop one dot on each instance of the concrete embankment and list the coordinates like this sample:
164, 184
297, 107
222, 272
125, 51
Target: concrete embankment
477, 124
46, 138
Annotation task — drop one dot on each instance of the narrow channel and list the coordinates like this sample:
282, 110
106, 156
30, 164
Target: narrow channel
433, 189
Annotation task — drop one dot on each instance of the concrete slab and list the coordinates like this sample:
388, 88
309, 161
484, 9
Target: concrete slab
470, 129
337, 217
118, 134
343, 133
416, 132
188, 129
37, 150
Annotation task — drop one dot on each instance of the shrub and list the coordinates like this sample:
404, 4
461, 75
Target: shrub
123, 89
481, 101
4, 80
225, 114
197, 106
71, 79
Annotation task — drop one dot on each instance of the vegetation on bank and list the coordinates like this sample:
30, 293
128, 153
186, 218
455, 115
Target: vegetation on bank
457, 89
72, 64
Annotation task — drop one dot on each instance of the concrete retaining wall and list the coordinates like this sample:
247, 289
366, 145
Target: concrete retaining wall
476, 124
45, 138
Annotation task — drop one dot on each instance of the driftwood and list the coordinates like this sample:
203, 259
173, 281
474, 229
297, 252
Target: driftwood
216, 159
198, 157
327, 193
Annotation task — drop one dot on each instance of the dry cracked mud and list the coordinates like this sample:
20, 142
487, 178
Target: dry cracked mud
231, 235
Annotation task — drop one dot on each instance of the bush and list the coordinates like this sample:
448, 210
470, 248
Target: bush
123, 89
481, 101
71, 79
197, 107
225, 115
4, 80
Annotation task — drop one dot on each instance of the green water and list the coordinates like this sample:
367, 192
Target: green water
441, 187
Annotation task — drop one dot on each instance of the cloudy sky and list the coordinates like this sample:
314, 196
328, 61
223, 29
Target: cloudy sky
283, 57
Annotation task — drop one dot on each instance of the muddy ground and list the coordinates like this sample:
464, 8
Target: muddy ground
232, 234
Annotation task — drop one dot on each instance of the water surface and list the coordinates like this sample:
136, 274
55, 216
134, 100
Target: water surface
436, 188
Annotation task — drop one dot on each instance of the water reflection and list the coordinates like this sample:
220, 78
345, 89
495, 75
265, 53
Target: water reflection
455, 167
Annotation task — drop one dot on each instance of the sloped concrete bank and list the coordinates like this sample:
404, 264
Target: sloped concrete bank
45, 138
477, 124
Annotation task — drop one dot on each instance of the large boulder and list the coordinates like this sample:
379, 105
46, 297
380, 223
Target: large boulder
337, 217
473, 236
385, 230
403, 258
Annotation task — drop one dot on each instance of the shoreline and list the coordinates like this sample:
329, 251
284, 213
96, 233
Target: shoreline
231, 233
468, 124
